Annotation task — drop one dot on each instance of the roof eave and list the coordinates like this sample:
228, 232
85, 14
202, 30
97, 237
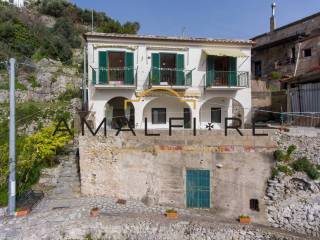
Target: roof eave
166, 39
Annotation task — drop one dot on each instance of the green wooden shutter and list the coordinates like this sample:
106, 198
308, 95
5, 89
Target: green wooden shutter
232, 71
94, 77
180, 70
129, 73
210, 71
155, 71
103, 67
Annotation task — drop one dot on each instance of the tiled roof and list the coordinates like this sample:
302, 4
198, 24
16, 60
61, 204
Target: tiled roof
167, 38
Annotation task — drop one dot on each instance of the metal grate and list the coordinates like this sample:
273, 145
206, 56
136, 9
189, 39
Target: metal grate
29, 199
198, 188
254, 205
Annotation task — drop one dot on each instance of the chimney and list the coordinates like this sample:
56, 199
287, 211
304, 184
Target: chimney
272, 19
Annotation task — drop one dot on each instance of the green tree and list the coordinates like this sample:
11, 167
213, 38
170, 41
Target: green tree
53, 7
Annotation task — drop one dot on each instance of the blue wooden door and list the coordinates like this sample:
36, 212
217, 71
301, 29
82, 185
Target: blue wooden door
198, 188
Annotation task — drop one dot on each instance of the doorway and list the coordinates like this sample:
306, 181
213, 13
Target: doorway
187, 118
198, 188
168, 68
116, 66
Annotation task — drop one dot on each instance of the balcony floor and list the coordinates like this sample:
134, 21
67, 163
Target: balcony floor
224, 88
111, 86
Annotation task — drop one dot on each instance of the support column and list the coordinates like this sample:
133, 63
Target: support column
138, 114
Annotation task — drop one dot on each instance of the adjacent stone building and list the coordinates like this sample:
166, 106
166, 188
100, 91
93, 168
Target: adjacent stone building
282, 57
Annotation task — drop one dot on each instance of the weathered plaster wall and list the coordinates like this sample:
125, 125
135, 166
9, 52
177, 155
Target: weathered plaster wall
152, 169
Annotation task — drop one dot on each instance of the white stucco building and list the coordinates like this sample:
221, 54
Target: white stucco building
18, 3
158, 78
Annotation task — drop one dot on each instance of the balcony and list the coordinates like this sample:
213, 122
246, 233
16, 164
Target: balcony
122, 78
170, 77
226, 80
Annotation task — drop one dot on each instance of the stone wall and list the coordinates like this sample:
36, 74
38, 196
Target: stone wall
294, 204
294, 201
308, 145
52, 79
152, 169
2, 212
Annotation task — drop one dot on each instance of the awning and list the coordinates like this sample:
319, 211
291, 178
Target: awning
224, 52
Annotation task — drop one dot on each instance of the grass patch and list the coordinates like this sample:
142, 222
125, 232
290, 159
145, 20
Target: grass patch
33, 81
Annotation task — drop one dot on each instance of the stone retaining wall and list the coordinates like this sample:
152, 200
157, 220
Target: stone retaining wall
294, 204
153, 169
307, 146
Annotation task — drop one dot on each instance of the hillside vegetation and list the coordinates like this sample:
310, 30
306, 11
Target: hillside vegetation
25, 34
47, 35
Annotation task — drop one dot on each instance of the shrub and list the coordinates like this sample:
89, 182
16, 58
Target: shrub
313, 172
291, 149
304, 165
276, 75
301, 164
284, 156
278, 155
285, 169
274, 172
33, 153
171, 211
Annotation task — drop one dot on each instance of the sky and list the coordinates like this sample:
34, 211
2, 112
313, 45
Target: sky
240, 19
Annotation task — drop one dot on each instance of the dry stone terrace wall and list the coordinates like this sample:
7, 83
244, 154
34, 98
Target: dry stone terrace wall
152, 169
307, 146
294, 204
294, 201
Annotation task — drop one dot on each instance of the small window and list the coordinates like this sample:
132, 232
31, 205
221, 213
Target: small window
257, 69
254, 205
293, 54
159, 116
216, 115
307, 52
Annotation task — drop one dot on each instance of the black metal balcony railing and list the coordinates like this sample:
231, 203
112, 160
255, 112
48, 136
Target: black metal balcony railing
114, 76
227, 79
170, 77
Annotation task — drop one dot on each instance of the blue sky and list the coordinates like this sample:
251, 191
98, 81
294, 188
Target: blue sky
204, 18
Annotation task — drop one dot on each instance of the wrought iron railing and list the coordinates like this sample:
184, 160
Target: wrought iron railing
114, 76
227, 79
170, 77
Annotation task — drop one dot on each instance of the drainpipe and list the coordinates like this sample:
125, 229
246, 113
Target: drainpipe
297, 62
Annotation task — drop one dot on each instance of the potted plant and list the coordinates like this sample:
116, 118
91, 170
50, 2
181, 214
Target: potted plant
94, 212
171, 213
22, 212
244, 219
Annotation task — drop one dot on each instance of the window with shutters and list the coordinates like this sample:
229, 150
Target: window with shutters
116, 68
221, 71
168, 69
